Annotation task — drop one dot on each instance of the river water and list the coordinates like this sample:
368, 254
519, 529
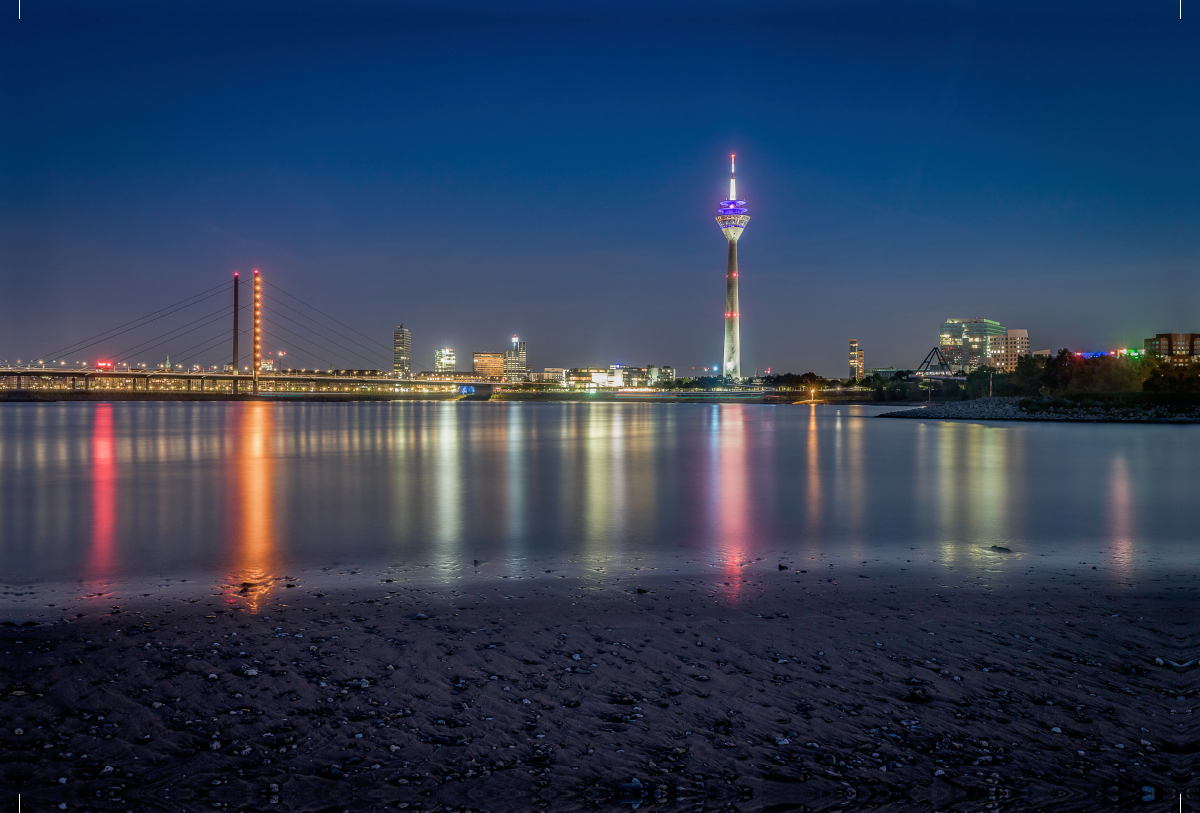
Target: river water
98, 492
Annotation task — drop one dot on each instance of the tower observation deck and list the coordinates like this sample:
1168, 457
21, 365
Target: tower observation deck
732, 218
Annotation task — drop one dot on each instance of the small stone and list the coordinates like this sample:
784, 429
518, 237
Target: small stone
1056, 730
250, 672
939, 772
420, 617
18, 731
214, 745
1145, 743
62, 780
156, 705
212, 677
108, 769
393, 748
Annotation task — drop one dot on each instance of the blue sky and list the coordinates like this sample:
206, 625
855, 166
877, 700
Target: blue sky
553, 170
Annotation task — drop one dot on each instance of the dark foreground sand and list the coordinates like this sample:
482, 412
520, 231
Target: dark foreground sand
761, 690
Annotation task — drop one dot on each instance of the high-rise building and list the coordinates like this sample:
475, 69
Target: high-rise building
489, 365
443, 360
515, 367
732, 219
858, 360
1005, 351
1177, 348
402, 352
965, 342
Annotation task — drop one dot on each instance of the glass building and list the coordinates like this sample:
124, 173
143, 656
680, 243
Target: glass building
402, 352
443, 360
965, 343
858, 360
489, 365
515, 366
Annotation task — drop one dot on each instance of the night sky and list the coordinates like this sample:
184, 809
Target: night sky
476, 170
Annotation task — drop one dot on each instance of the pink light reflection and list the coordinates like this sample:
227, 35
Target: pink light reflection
104, 493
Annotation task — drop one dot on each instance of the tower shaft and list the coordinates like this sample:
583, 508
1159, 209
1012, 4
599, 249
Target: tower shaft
732, 220
732, 362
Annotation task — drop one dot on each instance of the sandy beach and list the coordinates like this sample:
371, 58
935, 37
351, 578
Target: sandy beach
809, 688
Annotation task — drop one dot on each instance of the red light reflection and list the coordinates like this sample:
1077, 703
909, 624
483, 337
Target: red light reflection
104, 492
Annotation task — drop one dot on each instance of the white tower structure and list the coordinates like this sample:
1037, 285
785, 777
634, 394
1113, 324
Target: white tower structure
732, 220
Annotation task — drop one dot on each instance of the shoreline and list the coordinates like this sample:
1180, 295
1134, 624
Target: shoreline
1010, 409
742, 689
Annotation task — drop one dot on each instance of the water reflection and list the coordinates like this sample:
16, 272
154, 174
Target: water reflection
728, 492
448, 479
1120, 513
256, 489
251, 510
104, 494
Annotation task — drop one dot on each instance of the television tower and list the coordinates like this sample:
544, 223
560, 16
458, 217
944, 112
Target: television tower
732, 219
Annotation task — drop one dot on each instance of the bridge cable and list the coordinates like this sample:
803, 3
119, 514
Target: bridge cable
83, 343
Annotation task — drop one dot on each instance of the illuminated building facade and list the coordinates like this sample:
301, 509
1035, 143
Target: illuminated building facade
515, 366
488, 365
551, 375
402, 352
965, 343
1005, 351
858, 360
1177, 348
444, 360
732, 219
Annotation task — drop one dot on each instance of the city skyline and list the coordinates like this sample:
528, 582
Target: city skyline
1034, 163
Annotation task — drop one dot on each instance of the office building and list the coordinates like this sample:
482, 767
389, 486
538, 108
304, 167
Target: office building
402, 352
489, 365
965, 343
1177, 348
515, 366
1005, 351
587, 377
732, 219
858, 360
551, 375
443, 360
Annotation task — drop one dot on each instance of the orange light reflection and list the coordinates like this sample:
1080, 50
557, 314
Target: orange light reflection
251, 504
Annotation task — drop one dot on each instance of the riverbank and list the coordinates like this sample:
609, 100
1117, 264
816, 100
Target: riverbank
757, 689
1095, 409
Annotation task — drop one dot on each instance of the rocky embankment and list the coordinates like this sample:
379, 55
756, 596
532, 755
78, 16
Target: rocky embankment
1027, 409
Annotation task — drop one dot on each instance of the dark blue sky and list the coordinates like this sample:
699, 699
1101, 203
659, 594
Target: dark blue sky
551, 173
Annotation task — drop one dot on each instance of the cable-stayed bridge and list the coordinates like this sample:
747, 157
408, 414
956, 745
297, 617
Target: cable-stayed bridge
238, 339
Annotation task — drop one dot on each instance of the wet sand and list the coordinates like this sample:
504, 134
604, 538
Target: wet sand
762, 689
